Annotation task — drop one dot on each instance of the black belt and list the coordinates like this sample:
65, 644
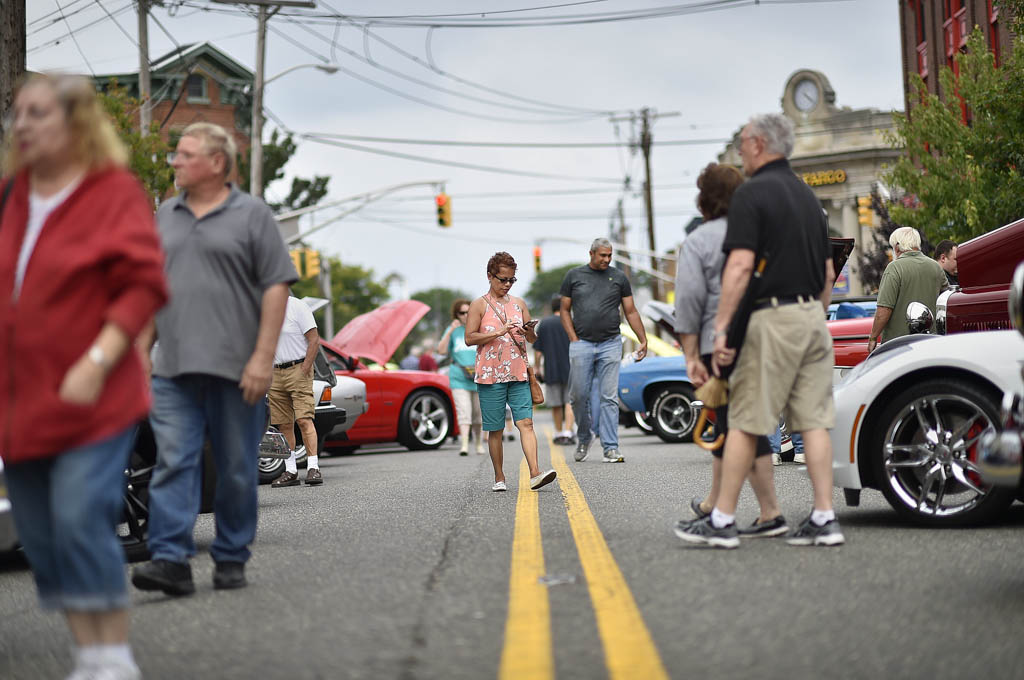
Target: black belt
289, 364
778, 301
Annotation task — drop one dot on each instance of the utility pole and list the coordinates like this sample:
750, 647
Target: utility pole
267, 9
646, 118
12, 51
626, 269
145, 109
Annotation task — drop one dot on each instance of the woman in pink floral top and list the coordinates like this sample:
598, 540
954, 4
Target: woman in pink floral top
499, 326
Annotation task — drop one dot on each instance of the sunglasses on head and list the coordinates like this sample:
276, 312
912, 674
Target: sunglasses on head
510, 280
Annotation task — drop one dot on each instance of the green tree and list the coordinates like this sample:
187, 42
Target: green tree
147, 152
276, 154
355, 290
964, 179
432, 326
546, 285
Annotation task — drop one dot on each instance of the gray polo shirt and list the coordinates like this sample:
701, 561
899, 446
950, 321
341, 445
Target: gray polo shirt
218, 267
699, 282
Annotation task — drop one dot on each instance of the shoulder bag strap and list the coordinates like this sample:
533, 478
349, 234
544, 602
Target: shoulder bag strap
3, 198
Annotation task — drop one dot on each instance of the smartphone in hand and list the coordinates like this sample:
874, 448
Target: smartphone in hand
532, 323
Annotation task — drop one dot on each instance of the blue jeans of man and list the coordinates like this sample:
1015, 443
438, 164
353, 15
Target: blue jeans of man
187, 409
595, 366
66, 509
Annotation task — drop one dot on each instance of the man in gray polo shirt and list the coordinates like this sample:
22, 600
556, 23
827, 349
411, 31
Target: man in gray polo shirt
591, 296
229, 272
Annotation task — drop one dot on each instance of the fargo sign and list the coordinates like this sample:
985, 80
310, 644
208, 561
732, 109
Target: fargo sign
823, 177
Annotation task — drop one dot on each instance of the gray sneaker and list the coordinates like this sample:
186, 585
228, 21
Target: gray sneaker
702, 531
582, 449
613, 456
809, 533
773, 527
698, 511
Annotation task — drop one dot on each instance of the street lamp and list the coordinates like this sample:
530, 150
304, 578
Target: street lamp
256, 150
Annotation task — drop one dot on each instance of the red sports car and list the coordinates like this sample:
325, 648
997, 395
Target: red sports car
414, 408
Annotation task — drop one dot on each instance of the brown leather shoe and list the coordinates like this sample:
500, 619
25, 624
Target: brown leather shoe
314, 477
287, 479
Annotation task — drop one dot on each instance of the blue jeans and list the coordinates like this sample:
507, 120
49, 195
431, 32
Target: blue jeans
775, 438
185, 410
66, 510
597, 363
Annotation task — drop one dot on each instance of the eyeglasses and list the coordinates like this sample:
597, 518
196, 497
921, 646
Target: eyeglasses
463, 312
510, 280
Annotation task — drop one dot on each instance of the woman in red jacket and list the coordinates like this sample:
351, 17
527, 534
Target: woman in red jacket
81, 273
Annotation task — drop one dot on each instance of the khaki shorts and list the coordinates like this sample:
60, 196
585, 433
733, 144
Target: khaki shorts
785, 367
291, 395
467, 407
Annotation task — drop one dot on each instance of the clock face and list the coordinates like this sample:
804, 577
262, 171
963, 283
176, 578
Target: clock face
805, 95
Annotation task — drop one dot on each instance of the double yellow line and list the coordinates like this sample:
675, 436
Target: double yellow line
629, 650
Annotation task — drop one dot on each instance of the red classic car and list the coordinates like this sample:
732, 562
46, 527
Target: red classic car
414, 408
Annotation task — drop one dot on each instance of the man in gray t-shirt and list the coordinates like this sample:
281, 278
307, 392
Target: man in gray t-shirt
591, 296
228, 271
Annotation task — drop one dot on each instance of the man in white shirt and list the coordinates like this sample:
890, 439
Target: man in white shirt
291, 392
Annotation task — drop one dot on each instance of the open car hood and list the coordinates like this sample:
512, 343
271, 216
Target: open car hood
377, 334
841, 249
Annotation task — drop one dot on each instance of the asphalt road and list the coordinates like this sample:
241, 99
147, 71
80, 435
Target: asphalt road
400, 566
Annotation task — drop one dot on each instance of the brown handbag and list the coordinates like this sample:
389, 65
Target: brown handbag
536, 393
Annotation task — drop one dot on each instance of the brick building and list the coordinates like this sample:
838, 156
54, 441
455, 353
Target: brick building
196, 83
933, 31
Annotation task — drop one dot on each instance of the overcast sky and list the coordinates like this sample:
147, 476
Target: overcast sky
713, 68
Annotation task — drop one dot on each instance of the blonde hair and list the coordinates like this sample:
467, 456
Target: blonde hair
906, 239
93, 136
215, 139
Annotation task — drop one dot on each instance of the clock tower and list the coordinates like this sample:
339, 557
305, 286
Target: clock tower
808, 96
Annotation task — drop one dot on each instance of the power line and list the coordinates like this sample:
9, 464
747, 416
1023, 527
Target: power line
412, 79
85, 58
433, 67
534, 194
477, 14
516, 145
117, 23
457, 164
410, 97
71, 32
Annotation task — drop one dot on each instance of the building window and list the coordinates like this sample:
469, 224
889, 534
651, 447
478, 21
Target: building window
195, 88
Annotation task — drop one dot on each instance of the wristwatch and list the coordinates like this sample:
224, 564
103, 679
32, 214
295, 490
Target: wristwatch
97, 356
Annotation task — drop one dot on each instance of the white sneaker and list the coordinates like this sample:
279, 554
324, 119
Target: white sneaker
776, 459
542, 479
499, 486
799, 458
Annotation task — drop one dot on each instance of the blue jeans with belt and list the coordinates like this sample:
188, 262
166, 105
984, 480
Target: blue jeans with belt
185, 409
596, 363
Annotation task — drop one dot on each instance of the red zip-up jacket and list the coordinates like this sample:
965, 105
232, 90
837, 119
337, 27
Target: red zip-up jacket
98, 259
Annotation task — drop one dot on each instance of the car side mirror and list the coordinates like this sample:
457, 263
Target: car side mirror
919, 318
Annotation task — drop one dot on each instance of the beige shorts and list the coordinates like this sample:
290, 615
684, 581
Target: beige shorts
785, 367
291, 395
467, 407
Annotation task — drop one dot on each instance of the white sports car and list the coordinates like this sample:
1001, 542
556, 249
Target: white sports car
909, 420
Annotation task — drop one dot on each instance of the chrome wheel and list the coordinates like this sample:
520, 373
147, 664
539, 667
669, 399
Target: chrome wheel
428, 420
671, 414
930, 453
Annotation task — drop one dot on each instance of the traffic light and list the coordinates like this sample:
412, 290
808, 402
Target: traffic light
444, 210
865, 215
312, 264
536, 259
296, 256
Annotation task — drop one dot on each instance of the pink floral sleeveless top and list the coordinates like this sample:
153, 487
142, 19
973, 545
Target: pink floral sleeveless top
500, 360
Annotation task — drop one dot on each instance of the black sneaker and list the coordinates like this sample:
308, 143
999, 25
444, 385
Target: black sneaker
702, 531
773, 527
228, 575
698, 511
809, 533
173, 578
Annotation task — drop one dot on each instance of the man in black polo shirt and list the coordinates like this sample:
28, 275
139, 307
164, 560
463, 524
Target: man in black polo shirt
786, 362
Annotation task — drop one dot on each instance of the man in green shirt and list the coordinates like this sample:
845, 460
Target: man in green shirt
910, 277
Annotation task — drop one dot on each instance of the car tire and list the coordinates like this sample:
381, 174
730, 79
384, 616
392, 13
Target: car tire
425, 420
925, 464
644, 422
270, 469
671, 415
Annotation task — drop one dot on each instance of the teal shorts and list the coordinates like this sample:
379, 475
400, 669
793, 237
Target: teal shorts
494, 397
